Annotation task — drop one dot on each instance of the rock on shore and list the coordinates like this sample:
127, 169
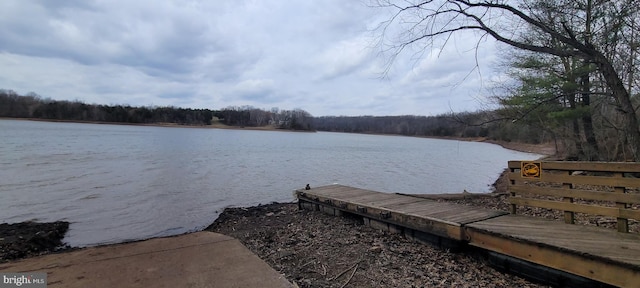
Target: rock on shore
25, 239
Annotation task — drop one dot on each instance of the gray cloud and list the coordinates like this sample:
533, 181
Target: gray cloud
314, 55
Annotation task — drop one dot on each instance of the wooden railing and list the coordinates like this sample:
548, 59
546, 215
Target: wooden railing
601, 188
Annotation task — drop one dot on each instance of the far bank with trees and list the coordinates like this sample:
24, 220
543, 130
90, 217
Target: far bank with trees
451, 125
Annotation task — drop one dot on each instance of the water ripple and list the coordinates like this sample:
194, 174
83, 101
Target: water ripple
118, 183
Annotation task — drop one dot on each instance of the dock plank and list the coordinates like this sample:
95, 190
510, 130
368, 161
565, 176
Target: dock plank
337, 190
427, 209
394, 201
585, 240
596, 253
416, 205
370, 199
448, 212
456, 213
471, 216
593, 252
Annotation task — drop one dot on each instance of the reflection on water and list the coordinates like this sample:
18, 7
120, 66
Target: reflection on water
116, 183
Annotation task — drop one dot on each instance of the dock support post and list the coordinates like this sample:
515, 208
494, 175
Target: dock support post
569, 217
623, 223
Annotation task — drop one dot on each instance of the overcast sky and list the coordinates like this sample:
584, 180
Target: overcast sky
316, 55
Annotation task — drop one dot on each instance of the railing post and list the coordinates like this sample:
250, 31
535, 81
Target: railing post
569, 217
623, 223
512, 207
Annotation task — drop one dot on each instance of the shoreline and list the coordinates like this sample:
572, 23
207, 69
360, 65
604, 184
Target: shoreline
160, 124
314, 249
545, 149
164, 125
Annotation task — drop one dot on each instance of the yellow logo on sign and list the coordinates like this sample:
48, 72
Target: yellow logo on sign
530, 169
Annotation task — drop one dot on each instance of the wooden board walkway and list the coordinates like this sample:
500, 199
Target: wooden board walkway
595, 253
441, 219
592, 252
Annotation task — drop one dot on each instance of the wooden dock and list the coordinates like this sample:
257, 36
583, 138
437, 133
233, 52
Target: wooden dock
595, 253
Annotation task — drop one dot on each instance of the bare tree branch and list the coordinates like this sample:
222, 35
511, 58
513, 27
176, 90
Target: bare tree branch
557, 22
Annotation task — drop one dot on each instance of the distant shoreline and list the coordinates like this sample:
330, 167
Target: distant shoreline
160, 124
546, 149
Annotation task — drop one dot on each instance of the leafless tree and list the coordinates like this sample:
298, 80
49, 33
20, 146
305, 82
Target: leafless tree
596, 31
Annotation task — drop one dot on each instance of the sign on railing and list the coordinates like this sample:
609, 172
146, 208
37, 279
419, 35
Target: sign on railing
607, 189
530, 169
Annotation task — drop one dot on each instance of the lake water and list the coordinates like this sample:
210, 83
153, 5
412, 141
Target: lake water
116, 183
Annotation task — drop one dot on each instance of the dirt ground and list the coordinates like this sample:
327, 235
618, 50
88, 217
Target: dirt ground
547, 149
313, 249
26, 239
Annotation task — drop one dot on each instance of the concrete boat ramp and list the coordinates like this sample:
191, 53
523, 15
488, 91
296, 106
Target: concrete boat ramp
202, 259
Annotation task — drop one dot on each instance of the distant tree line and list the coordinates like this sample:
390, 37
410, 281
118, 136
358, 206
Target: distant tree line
447, 125
33, 106
499, 124
481, 124
250, 116
407, 125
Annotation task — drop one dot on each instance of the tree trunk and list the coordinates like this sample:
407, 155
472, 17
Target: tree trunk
592, 151
620, 93
578, 152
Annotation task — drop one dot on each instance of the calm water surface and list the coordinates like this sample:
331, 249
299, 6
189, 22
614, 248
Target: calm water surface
116, 183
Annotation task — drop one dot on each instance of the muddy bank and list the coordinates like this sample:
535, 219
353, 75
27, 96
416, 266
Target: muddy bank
313, 249
26, 239
547, 149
